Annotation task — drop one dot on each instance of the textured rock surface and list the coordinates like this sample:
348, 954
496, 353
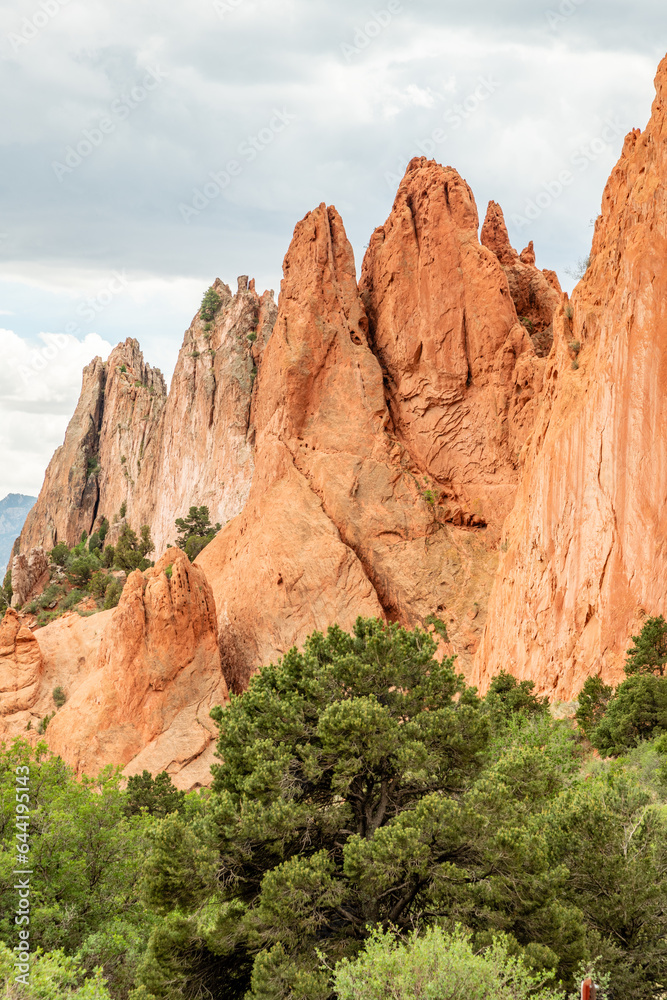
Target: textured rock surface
460, 370
156, 678
206, 444
586, 554
536, 294
127, 443
21, 668
94, 471
30, 573
336, 523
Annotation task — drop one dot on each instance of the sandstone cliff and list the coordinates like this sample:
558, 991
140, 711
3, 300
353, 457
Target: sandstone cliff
128, 443
585, 555
383, 420
145, 701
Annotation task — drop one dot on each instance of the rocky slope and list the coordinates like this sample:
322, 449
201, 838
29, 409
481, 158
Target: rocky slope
140, 680
586, 558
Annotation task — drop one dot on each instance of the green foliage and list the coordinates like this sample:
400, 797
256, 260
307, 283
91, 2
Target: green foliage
123, 510
59, 554
81, 568
59, 697
94, 542
195, 531
103, 530
648, 654
612, 837
507, 696
131, 552
93, 466
527, 322
6, 591
359, 788
43, 725
169, 570
157, 795
123, 368
210, 305
112, 595
108, 556
55, 976
85, 856
575, 346
593, 701
637, 711
252, 337
99, 582
569, 312
72, 599
439, 626
438, 965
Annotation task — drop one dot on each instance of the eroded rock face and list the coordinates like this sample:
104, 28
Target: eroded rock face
585, 543
460, 370
30, 574
21, 668
536, 294
115, 422
336, 524
129, 444
206, 447
157, 677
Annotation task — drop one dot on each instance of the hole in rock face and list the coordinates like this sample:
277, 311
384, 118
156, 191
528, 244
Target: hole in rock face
355, 338
279, 580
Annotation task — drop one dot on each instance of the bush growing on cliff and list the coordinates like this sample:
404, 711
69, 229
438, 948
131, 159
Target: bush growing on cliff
112, 595
130, 551
195, 531
59, 554
210, 305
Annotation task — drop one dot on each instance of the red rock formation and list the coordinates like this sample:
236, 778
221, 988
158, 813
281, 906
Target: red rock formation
206, 446
128, 444
157, 676
21, 668
115, 419
30, 574
586, 557
446, 333
535, 293
337, 523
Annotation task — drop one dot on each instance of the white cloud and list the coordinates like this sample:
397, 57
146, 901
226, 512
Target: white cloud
39, 388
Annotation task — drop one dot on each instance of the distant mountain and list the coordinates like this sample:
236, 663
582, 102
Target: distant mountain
13, 512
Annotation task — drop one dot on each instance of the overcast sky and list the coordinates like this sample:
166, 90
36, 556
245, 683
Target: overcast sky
117, 116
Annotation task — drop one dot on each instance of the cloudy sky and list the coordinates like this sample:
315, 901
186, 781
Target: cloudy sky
148, 148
